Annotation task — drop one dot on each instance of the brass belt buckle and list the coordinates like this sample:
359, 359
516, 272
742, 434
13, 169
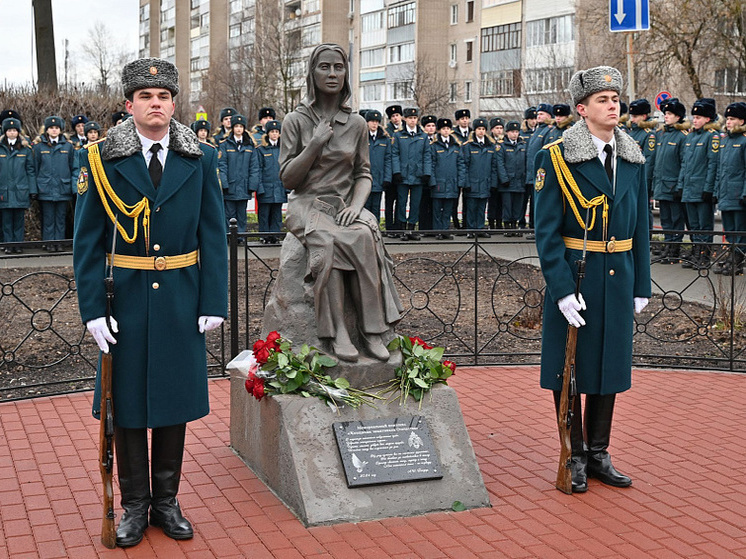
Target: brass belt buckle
160, 263
611, 245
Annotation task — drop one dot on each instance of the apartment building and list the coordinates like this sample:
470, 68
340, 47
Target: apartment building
490, 56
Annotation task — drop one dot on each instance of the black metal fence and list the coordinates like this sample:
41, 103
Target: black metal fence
480, 298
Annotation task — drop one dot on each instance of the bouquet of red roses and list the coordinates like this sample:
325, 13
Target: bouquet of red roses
420, 370
276, 369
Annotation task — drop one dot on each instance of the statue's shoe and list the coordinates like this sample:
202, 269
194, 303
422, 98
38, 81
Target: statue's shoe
376, 347
345, 352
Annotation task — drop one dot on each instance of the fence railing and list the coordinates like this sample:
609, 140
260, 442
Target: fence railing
480, 298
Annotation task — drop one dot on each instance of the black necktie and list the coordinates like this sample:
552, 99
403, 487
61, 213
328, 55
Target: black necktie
411, 133
155, 168
607, 164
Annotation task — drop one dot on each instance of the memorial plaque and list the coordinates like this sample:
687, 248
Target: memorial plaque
392, 450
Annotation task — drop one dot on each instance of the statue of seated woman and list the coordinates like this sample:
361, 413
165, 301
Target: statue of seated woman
324, 162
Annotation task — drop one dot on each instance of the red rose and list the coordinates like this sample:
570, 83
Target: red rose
416, 341
258, 345
450, 365
259, 389
273, 336
250, 385
262, 355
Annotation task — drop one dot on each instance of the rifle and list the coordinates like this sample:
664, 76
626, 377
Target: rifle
569, 388
106, 431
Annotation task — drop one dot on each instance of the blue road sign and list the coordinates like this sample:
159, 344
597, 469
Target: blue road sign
629, 15
660, 98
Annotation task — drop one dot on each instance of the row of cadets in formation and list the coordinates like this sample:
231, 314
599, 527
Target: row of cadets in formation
693, 167
248, 164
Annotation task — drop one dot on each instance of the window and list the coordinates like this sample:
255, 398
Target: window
454, 14
204, 21
501, 37
236, 6
401, 15
311, 35
372, 22
195, 3
401, 53
469, 11
310, 6
452, 92
372, 57
454, 54
497, 84
400, 90
372, 92
729, 81
469, 51
467, 91
547, 80
234, 30
550, 31
144, 13
194, 64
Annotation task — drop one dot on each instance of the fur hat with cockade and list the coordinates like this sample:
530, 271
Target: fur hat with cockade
587, 82
144, 73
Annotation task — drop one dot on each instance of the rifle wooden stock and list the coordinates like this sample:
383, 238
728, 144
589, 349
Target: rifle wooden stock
106, 453
564, 417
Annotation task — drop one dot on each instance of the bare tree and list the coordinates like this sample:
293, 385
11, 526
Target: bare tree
46, 63
104, 56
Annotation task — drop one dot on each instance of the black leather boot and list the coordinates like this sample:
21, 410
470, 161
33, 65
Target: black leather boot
578, 460
131, 447
599, 410
167, 454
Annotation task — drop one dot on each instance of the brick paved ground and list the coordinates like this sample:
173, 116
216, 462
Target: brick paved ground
678, 434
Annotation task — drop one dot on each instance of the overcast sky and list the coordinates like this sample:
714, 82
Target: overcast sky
73, 19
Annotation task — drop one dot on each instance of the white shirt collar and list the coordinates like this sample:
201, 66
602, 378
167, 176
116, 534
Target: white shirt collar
410, 130
12, 142
600, 144
464, 131
146, 145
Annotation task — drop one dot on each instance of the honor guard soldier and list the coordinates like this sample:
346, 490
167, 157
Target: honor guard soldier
151, 184
697, 179
563, 119
271, 194
54, 159
591, 202
529, 123
448, 175
202, 129
17, 182
265, 115
411, 164
533, 145
642, 129
395, 123
731, 188
239, 171
379, 149
77, 136
666, 162
429, 125
512, 190
484, 170
225, 125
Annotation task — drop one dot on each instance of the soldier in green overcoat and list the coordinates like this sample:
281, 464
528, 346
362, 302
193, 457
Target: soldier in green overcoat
161, 186
575, 192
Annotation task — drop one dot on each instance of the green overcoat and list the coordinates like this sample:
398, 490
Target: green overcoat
159, 361
604, 350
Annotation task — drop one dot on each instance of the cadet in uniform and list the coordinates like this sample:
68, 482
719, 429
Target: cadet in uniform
379, 149
447, 177
170, 278
731, 187
428, 123
395, 123
563, 119
462, 132
533, 145
239, 171
54, 158
512, 189
411, 163
225, 125
592, 180
271, 194
497, 129
494, 203
17, 182
265, 115
118, 117
529, 123
697, 178
666, 167
484, 169
642, 130
77, 136
202, 129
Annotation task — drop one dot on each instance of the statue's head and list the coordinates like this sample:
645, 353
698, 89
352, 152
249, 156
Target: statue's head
329, 74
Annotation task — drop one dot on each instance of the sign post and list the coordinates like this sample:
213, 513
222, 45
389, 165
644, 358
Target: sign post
629, 16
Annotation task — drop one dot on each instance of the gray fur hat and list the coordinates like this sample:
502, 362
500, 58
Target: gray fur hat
593, 80
149, 72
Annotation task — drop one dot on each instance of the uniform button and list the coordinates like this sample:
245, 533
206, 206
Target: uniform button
612, 272
157, 209
155, 285
156, 247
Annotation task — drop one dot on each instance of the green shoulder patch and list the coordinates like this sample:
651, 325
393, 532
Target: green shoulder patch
82, 181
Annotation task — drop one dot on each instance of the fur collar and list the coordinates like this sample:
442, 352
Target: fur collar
737, 130
579, 145
23, 141
648, 124
713, 125
453, 139
566, 124
380, 133
122, 141
681, 125
265, 142
487, 139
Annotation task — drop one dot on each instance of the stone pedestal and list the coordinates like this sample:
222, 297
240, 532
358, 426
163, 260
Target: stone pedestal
288, 442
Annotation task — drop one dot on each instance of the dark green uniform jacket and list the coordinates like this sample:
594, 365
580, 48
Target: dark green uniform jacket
449, 173
533, 145
514, 163
159, 361
731, 181
667, 160
555, 133
700, 166
612, 280
54, 165
644, 134
484, 167
17, 174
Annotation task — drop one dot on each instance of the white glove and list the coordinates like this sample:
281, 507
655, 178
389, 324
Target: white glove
101, 333
569, 306
640, 303
207, 323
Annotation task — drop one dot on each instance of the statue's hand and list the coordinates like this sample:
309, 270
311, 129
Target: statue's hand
347, 216
322, 133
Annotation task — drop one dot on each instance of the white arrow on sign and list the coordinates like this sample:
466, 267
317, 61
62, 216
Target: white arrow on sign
620, 15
